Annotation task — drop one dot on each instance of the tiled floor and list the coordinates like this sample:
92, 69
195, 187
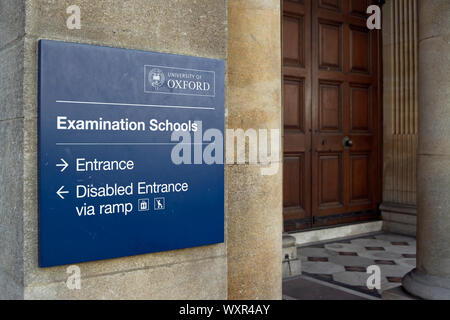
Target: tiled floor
344, 263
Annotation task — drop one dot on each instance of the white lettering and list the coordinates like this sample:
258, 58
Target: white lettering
374, 21
74, 20
74, 280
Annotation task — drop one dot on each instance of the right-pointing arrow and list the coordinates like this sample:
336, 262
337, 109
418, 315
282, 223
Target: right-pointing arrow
64, 165
60, 192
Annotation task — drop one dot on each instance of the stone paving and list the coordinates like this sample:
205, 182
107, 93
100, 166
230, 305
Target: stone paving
344, 263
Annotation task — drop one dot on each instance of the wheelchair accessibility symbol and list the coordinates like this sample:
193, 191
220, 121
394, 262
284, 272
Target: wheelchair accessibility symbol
159, 204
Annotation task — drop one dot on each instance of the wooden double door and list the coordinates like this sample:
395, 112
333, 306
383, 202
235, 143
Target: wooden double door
331, 113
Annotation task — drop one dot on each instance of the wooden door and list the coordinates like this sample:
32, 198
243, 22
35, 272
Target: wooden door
331, 156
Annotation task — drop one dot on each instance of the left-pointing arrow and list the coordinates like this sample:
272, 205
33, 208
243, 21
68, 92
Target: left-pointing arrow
60, 192
64, 165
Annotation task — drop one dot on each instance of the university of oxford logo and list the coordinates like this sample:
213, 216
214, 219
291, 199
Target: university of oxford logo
157, 78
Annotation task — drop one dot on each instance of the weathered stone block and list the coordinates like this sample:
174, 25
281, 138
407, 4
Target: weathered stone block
11, 205
12, 21
189, 27
190, 280
197, 28
11, 80
254, 238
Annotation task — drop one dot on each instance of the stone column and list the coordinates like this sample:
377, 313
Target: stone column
431, 278
254, 102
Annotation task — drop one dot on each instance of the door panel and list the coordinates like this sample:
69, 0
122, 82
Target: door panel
294, 50
359, 50
330, 45
294, 104
360, 109
360, 178
330, 68
330, 180
330, 107
294, 166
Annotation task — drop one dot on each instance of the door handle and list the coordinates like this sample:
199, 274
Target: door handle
347, 142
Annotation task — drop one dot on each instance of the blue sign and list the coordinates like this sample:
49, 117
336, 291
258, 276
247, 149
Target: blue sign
110, 123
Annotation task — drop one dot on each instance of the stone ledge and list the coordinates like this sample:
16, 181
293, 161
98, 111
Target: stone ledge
338, 232
399, 208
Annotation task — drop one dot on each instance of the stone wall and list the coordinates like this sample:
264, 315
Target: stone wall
196, 28
248, 265
12, 29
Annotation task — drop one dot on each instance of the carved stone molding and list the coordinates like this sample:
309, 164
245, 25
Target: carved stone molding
400, 101
400, 105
